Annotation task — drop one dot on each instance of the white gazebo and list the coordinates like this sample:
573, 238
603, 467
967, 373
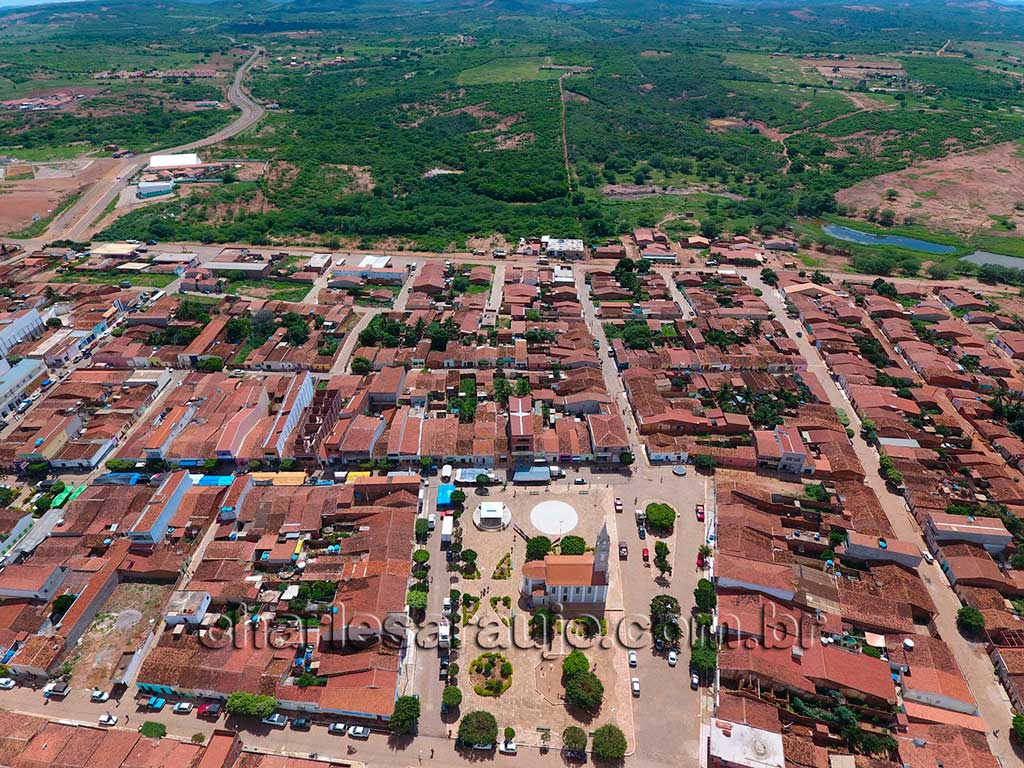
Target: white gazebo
492, 516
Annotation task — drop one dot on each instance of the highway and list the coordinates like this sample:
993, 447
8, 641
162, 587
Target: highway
75, 222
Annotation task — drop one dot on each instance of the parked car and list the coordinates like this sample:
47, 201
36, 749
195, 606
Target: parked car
700, 560
208, 710
337, 729
618, 505
507, 748
58, 689
632, 658
679, 470
6, 683
99, 696
276, 720
927, 556
694, 681
646, 555
623, 551
635, 685
182, 708
431, 521
574, 755
108, 720
359, 732
301, 724
446, 608
672, 658
579, 481
641, 531
156, 703
700, 513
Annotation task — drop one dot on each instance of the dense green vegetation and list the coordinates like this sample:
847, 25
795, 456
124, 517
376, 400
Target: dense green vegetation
413, 133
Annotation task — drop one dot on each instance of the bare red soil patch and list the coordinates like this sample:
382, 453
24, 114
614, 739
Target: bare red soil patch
959, 192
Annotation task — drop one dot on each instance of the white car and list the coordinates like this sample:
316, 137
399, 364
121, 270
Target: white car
694, 682
632, 659
337, 729
108, 720
182, 708
507, 748
99, 696
672, 658
359, 732
447, 607
635, 684
6, 683
927, 556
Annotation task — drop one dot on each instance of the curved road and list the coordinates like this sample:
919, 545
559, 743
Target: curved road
73, 223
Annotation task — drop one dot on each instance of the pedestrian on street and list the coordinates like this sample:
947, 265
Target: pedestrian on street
431, 753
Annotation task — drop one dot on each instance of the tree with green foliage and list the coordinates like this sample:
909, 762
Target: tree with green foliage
1017, 728
502, 389
416, 599
661, 518
538, 547
153, 730
704, 462
576, 663
451, 697
574, 738
661, 553
422, 529
584, 691
244, 704
420, 556
360, 366
37, 470
609, 743
237, 330
478, 727
704, 656
626, 458
210, 365
406, 715
61, 605
542, 625
970, 620
572, 545
458, 498
769, 277
704, 595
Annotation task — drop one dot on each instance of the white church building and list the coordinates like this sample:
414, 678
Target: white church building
573, 581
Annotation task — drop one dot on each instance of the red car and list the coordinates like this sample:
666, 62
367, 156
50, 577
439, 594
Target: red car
700, 512
700, 560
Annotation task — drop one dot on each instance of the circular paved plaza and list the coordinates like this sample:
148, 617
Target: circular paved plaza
554, 518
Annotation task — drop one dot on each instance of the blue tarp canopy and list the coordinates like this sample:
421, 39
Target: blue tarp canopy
532, 475
444, 494
216, 480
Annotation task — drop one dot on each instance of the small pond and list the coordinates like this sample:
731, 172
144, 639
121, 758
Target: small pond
900, 241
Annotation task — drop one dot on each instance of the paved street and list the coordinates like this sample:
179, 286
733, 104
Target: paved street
609, 370
974, 662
